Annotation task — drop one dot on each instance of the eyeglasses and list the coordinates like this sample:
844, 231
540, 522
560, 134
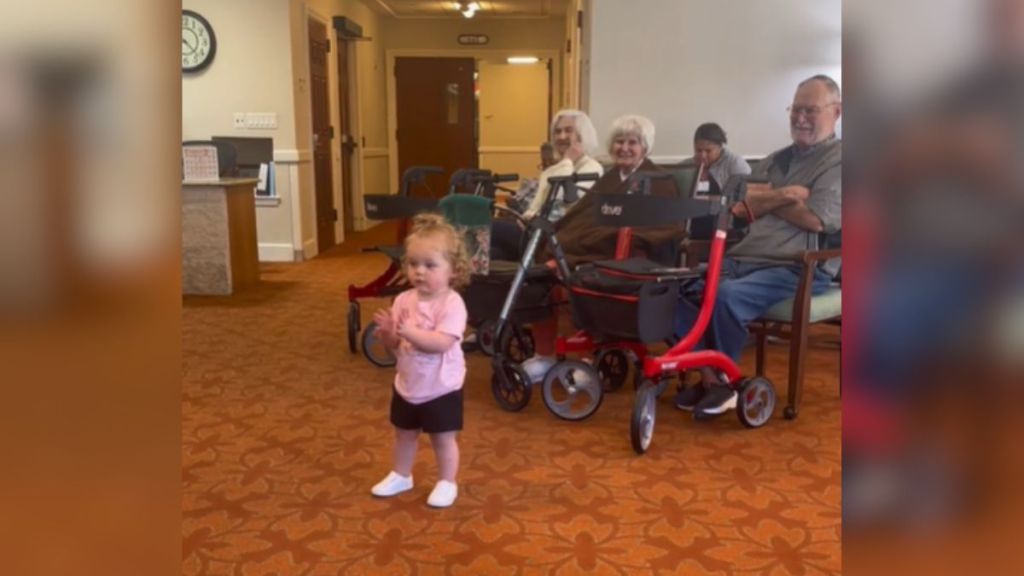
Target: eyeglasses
808, 111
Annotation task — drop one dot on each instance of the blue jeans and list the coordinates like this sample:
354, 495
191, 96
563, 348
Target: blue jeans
745, 292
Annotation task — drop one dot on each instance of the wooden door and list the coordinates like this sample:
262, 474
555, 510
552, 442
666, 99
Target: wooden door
348, 140
326, 215
436, 116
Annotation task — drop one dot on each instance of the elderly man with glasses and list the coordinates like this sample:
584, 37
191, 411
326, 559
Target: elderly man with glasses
802, 201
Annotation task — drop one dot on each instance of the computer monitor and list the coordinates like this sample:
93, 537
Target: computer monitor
251, 153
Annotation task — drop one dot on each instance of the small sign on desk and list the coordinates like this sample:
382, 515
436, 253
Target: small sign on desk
199, 164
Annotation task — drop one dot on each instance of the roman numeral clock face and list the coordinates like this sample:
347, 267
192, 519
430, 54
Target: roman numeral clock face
198, 44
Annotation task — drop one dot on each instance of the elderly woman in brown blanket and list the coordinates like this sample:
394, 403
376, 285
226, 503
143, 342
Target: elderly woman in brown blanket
584, 240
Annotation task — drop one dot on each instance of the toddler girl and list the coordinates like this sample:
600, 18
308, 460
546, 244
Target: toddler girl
424, 328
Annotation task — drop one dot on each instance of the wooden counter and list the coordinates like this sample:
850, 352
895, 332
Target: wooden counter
218, 236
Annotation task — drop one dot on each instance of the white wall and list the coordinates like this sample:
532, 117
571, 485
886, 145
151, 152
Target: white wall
685, 62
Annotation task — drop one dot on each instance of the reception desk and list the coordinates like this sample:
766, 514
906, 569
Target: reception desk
218, 236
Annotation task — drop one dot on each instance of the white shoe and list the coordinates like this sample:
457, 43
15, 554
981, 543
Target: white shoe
393, 483
443, 495
537, 367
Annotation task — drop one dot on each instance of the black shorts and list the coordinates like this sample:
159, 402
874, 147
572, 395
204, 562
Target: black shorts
442, 414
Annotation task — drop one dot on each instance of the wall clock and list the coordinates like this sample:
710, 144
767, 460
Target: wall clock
198, 44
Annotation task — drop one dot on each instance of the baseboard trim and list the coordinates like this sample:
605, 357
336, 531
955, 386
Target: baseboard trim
287, 156
276, 253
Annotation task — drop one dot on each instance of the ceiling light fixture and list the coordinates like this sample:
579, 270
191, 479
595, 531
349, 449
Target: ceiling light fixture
522, 59
468, 9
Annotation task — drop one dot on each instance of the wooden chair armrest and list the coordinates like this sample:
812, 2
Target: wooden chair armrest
815, 256
802, 298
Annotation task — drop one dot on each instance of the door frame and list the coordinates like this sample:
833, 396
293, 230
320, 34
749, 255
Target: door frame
355, 122
389, 80
354, 112
333, 158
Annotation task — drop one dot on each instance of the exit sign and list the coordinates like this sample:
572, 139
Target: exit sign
473, 39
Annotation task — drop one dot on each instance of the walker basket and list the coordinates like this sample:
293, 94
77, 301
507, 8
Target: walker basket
618, 307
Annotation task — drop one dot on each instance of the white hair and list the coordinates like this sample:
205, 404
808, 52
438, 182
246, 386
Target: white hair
584, 127
633, 125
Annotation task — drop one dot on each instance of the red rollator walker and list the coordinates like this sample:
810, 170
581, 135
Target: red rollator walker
756, 396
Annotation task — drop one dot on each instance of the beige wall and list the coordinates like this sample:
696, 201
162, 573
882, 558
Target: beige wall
513, 111
247, 31
262, 66
250, 32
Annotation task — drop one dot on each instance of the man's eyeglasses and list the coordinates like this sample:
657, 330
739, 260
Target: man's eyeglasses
809, 111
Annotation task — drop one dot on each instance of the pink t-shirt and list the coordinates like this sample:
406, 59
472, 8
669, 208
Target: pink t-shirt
423, 376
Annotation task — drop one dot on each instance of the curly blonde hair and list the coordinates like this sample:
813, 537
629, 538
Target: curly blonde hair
435, 226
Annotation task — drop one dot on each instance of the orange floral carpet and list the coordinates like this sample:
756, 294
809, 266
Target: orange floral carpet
285, 431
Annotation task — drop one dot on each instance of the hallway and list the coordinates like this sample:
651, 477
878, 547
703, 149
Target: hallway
284, 432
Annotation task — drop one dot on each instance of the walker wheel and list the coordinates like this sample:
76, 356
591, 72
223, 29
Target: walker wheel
756, 401
485, 337
613, 366
641, 425
511, 386
789, 412
516, 343
375, 351
353, 326
572, 390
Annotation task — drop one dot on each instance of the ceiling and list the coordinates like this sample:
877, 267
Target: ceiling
488, 9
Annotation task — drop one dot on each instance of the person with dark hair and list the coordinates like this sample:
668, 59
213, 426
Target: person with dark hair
719, 162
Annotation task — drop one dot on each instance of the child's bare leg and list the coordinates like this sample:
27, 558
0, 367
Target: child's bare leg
446, 450
406, 442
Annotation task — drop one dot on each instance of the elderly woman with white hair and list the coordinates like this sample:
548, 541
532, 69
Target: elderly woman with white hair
584, 240
574, 138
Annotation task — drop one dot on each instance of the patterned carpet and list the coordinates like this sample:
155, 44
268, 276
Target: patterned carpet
284, 432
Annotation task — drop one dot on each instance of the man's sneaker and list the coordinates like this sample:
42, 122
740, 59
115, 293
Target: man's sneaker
393, 483
689, 396
537, 367
717, 399
443, 495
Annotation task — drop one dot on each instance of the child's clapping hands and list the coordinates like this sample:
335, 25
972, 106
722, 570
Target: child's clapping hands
387, 328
